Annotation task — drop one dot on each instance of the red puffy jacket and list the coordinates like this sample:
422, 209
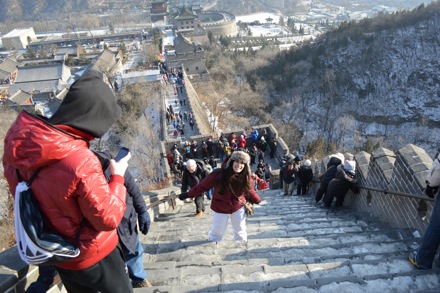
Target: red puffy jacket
70, 186
226, 203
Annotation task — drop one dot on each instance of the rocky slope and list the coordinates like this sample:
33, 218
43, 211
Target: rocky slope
378, 78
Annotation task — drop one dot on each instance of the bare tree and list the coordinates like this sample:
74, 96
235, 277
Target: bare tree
344, 134
151, 53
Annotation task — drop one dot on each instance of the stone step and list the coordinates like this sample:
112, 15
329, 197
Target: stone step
293, 247
323, 277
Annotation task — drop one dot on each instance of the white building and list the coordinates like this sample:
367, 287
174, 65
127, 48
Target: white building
18, 38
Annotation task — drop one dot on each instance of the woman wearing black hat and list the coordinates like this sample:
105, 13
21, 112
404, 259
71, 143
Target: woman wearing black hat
233, 186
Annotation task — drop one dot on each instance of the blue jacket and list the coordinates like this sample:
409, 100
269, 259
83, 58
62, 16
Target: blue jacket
254, 135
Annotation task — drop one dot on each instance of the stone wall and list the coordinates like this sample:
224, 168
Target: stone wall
226, 27
196, 107
394, 184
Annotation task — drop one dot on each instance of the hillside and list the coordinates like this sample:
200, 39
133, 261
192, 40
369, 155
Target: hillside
376, 79
18, 10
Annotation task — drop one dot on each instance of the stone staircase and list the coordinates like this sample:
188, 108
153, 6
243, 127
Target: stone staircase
293, 246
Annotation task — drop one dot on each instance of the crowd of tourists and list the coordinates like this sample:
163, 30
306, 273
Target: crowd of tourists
92, 200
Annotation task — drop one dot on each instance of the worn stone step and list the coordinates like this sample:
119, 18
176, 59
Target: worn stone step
393, 276
293, 246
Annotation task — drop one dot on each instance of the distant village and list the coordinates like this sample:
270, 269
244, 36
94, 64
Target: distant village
37, 69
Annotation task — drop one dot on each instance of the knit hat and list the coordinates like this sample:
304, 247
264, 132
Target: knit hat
350, 166
239, 156
89, 106
307, 163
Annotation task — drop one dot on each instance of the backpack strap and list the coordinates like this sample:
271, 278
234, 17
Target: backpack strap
28, 183
84, 220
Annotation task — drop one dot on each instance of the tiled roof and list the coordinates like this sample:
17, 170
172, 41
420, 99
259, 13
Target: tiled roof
21, 98
40, 73
105, 61
54, 104
42, 97
7, 67
68, 51
183, 45
41, 86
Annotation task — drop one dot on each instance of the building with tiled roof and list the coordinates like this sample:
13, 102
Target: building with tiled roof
159, 11
8, 71
185, 19
18, 38
20, 98
108, 64
41, 78
54, 71
190, 55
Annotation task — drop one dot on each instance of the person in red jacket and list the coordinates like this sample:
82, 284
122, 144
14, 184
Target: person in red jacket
71, 187
233, 186
241, 142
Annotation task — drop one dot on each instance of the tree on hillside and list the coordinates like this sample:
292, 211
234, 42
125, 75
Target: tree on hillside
344, 133
123, 48
141, 107
30, 53
225, 41
151, 54
211, 37
156, 36
281, 22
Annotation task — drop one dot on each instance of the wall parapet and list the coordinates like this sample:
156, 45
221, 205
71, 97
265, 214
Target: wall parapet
401, 172
16, 275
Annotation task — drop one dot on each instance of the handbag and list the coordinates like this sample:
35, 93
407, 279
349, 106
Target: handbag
35, 245
248, 206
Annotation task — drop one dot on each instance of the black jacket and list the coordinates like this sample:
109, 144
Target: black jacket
342, 182
127, 229
305, 174
191, 179
288, 176
331, 170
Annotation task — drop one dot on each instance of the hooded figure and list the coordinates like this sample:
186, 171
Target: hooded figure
305, 175
79, 191
328, 175
90, 106
344, 180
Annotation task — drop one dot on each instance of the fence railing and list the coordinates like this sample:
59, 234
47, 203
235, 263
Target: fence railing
387, 191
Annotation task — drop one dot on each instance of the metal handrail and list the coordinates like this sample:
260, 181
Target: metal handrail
386, 191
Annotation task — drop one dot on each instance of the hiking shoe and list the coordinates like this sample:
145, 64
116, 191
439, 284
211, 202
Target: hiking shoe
412, 257
199, 214
143, 284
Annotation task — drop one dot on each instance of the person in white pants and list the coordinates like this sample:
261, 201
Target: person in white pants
233, 187
220, 223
